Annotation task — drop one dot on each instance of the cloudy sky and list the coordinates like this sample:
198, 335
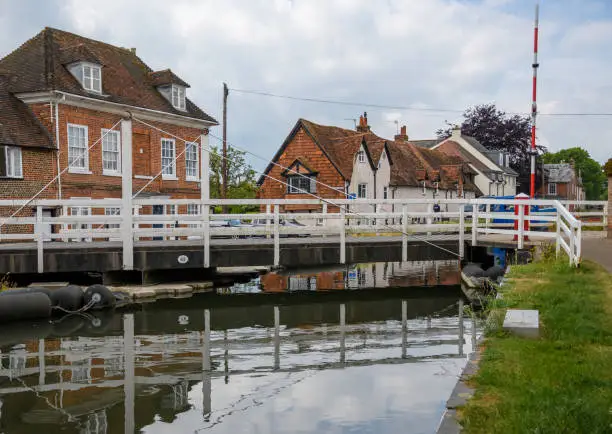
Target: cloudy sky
418, 54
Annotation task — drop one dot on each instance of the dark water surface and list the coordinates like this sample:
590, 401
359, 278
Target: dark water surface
283, 357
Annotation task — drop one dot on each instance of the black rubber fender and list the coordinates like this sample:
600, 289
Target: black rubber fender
472, 270
69, 298
29, 290
21, 307
494, 272
100, 297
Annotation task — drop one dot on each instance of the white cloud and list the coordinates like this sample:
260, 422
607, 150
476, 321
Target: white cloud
434, 53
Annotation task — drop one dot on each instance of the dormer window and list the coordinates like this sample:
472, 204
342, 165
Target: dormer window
92, 78
89, 75
178, 97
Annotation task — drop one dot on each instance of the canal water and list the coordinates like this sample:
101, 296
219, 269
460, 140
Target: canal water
375, 348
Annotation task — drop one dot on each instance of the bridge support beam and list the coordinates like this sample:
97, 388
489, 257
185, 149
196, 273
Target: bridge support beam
127, 218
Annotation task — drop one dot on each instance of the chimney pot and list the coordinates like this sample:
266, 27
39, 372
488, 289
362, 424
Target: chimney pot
403, 135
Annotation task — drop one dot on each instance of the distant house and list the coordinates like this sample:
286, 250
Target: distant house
336, 163
561, 182
494, 176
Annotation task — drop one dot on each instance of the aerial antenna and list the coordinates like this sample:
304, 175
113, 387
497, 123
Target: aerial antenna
354, 121
534, 104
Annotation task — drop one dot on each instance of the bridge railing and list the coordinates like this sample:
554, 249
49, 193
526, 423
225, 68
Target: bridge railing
190, 220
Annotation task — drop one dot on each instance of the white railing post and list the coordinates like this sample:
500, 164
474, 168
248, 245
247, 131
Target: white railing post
404, 232
129, 381
205, 196
268, 210
488, 219
39, 239
325, 218
127, 218
521, 226
462, 231
475, 224
558, 237
276, 235
429, 218
572, 244
342, 234
578, 235
65, 225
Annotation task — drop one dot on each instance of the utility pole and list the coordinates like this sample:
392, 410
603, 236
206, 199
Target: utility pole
534, 104
224, 174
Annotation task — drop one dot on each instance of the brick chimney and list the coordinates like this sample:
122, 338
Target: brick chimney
363, 126
402, 136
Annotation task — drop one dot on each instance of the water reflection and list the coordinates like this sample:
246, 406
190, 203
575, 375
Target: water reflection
368, 363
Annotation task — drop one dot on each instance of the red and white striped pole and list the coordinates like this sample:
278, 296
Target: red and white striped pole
534, 104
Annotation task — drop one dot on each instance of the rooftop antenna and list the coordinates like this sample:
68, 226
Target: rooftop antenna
534, 104
354, 121
396, 122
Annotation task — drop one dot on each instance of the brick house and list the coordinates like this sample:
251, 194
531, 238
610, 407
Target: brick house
561, 182
335, 163
60, 93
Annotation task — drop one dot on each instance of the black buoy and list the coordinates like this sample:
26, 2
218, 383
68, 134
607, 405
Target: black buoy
99, 297
69, 298
494, 272
24, 306
473, 270
29, 290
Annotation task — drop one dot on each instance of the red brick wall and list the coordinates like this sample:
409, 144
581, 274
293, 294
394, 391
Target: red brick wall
302, 146
148, 163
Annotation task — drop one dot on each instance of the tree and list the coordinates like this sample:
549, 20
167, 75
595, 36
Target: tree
593, 177
241, 183
500, 131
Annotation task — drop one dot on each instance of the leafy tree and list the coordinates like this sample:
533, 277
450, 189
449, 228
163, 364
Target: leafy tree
593, 177
500, 131
241, 178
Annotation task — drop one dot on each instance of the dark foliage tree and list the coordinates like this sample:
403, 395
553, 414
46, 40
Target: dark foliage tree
500, 131
593, 177
241, 178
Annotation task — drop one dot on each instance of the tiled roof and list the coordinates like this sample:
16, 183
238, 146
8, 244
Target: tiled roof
40, 65
430, 143
18, 125
559, 173
159, 78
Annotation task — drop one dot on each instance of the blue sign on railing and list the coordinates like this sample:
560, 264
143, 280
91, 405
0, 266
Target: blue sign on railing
352, 196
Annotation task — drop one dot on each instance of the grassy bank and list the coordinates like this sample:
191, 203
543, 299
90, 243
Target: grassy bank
562, 382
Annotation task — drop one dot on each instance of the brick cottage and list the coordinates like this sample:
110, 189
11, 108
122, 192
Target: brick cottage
60, 93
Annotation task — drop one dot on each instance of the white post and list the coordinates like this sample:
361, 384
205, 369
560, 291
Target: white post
578, 243
325, 217
41, 362
129, 386
487, 218
404, 233
475, 224
429, 218
276, 337
127, 219
572, 244
342, 333
521, 228
206, 365
276, 235
404, 328
40, 239
461, 327
268, 210
461, 231
342, 234
205, 195
558, 237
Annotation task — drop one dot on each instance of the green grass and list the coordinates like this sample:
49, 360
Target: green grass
561, 382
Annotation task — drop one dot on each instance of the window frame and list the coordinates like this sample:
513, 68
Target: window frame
89, 82
10, 162
550, 190
300, 189
85, 168
106, 133
365, 190
189, 177
385, 192
181, 97
172, 174
361, 157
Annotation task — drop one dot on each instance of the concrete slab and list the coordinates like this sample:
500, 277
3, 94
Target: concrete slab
522, 322
49, 285
448, 423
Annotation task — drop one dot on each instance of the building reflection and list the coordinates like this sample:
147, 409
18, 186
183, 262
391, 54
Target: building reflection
367, 276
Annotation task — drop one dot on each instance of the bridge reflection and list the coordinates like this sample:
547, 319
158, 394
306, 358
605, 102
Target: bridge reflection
150, 365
